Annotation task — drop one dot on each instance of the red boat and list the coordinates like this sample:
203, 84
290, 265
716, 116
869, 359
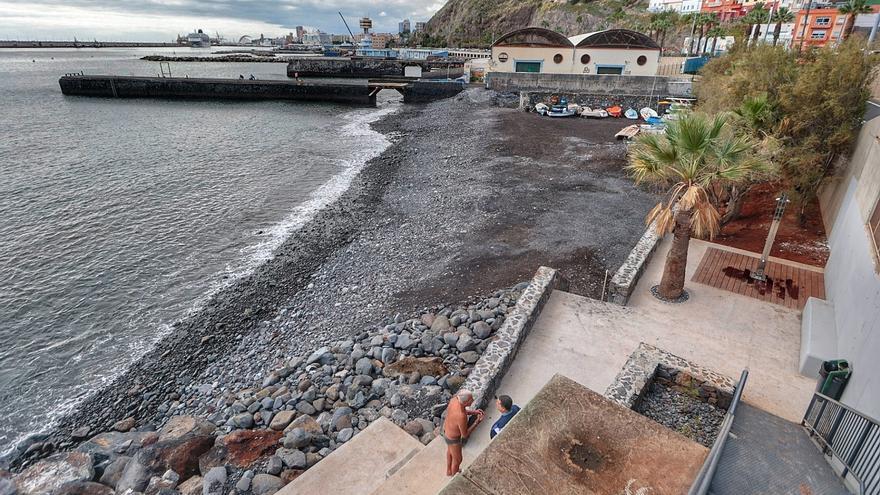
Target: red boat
614, 111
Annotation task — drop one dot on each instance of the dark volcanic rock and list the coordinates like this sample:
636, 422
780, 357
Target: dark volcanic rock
83, 488
48, 475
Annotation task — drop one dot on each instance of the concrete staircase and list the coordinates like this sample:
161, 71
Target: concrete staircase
424, 474
364, 464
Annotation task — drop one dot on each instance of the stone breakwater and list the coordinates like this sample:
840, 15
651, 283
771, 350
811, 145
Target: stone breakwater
259, 438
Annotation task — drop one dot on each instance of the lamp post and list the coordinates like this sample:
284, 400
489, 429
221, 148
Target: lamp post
781, 201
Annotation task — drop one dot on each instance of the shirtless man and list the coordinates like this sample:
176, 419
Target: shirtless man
456, 428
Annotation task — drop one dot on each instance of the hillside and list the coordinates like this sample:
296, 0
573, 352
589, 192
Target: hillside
475, 23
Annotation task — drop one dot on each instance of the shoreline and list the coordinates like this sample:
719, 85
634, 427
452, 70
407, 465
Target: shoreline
469, 198
234, 310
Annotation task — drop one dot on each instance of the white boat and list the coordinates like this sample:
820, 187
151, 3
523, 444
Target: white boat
541, 109
598, 113
647, 113
631, 114
561, 112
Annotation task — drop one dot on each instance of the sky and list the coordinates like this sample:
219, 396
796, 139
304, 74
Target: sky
163, 20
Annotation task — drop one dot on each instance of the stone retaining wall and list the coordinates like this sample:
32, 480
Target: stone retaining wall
495, 361
627, 276
608, 85
648, 362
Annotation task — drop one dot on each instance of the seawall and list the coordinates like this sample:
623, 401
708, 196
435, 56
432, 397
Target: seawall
596, 91
197, 88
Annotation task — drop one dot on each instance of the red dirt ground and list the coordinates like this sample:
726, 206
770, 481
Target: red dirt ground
806, 244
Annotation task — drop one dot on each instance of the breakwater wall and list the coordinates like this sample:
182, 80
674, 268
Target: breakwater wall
349, 67
427, 91
596, 91
197, 88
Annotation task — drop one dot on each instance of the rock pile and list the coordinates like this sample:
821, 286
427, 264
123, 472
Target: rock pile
257, 439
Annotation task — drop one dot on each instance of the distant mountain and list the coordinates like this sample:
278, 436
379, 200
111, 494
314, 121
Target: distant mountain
476, 23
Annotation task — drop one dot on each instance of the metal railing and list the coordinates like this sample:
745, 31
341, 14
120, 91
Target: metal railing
852, 437
704, 477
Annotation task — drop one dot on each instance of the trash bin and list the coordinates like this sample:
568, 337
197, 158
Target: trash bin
833, 377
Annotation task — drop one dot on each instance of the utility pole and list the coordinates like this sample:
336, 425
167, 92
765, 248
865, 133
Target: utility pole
769, 20
804, 27
873, 34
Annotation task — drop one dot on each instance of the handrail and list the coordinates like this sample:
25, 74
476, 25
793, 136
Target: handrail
852, 437
703, 480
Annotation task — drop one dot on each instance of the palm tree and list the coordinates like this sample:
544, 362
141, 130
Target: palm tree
851, 9
782, 16
696, 152
757, 17
715, 33
704, 22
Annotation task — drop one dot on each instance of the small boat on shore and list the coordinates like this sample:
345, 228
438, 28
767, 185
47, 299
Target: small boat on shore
648, 113
615, 111
628, 132
561, 109
631, 114
589, 113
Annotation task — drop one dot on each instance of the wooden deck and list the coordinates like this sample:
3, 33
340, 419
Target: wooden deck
789, 286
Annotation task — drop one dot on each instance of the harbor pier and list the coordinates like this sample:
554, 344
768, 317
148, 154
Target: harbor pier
244, 89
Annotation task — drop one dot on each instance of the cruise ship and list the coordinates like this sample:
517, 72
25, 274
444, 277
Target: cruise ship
198, 39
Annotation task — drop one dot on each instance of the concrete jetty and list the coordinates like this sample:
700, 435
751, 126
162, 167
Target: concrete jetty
202, 88
363, 93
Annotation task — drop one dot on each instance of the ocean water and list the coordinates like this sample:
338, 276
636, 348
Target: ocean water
118, 217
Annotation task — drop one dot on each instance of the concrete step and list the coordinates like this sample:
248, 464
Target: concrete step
361, 465
424, 474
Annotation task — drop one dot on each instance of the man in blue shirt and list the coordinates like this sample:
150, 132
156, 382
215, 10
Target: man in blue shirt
507, 409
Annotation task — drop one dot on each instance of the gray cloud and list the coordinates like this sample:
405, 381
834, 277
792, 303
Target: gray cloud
37, 16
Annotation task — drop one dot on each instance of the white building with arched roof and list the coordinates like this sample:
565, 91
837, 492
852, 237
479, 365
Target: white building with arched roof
613, 51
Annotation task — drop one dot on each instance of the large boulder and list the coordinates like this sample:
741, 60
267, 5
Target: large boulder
83, 488
241, 448
111, 444
192, 486
185, 426
307, 423
181, 442
266, 484
282, 419
424, 366
49, 474
113, 471
214, 481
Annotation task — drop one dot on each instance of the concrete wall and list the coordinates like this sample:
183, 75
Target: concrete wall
572, 59
347, 67
160, 87
852, 281
427, 91
589, 84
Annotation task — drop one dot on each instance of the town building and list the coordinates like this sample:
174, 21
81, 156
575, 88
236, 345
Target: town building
680, 6
817, 27
420, 26
613, 51
300, 32
403, 26
726, 10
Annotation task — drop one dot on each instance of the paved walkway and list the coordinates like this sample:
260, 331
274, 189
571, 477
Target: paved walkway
766, 454
589, 341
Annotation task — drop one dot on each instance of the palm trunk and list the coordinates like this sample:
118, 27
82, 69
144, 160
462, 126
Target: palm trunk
848, 28
755, 33
734, 204
662, 39
714, 44
672, 282
776, 32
